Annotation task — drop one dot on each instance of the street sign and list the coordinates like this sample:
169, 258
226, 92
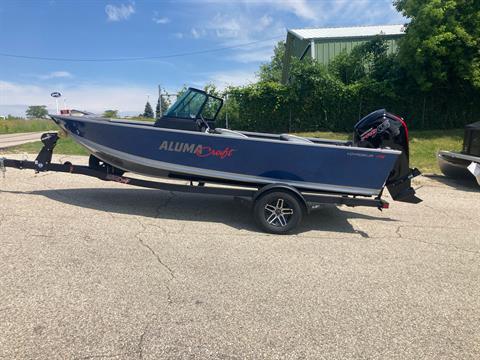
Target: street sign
56, 95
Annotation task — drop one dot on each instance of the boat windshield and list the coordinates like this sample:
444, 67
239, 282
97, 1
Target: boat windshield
195, 103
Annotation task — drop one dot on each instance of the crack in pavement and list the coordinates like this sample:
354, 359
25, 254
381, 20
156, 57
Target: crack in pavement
140, 342
397, 231
446, 246
440, 211
400, 236
41, 236
105, 356
158, 258
156, 226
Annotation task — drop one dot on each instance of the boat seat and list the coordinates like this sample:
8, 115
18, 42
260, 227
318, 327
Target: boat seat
231, 133
294, 138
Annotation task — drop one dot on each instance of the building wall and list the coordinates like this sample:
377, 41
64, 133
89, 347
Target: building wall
326, 50
294, 48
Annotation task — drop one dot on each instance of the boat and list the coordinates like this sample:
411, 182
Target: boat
284, 175
464, 164
185, 144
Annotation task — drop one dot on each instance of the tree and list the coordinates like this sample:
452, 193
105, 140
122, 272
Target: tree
367, 62
36, 111
165, 104
110, 114
442, 41
148, 112
272, 70
157, 110
211, 89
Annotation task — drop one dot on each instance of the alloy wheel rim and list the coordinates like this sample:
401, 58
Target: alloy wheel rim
278, 213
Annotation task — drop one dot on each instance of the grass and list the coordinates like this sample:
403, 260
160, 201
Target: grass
424, 146
65, 146
12, 126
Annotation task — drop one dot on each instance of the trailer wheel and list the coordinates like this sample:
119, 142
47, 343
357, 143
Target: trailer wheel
277, 212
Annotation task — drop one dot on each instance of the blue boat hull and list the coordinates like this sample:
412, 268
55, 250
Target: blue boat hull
160, 152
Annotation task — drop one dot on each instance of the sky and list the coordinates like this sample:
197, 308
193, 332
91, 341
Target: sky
235, 36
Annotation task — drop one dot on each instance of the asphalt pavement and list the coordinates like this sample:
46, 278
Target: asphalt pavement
9, 140
99, 270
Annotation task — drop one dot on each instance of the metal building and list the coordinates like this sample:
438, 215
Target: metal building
323, 44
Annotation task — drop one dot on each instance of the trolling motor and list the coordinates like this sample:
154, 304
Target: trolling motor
381, 129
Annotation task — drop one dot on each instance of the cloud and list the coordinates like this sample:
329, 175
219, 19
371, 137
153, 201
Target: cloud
120, 12
259, 53
243, 28
354, 13
301, 8
330, 13
55, 75
197, 33
226, 26
265, 21
16, 97
157, 19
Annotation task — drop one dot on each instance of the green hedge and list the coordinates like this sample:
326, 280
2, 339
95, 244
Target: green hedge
316, 99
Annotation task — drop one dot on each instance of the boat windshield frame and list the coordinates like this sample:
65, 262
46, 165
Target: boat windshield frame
180, 104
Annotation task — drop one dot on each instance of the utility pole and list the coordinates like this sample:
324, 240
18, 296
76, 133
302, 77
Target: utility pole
160, 99
226, 110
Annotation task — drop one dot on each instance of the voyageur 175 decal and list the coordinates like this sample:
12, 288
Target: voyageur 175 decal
196, 149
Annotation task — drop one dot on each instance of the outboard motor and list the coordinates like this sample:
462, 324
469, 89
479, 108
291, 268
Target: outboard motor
381, 129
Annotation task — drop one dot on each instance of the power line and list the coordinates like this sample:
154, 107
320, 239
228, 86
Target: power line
199, 52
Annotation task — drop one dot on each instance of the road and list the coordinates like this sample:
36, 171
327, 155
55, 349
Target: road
99, 270
9, 140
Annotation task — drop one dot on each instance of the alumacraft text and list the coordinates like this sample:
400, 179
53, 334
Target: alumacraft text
196, 149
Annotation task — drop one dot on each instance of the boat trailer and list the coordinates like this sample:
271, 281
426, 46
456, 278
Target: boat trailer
278, 208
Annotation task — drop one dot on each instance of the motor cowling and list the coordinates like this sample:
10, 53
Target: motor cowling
383, 130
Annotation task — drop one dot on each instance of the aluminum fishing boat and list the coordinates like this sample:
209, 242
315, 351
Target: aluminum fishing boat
185, 144
284, 175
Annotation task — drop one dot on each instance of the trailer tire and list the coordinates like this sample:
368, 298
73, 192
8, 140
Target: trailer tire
278, 212
99, 165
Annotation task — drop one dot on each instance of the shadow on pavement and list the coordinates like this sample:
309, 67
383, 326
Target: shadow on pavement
194, 207
465, 184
